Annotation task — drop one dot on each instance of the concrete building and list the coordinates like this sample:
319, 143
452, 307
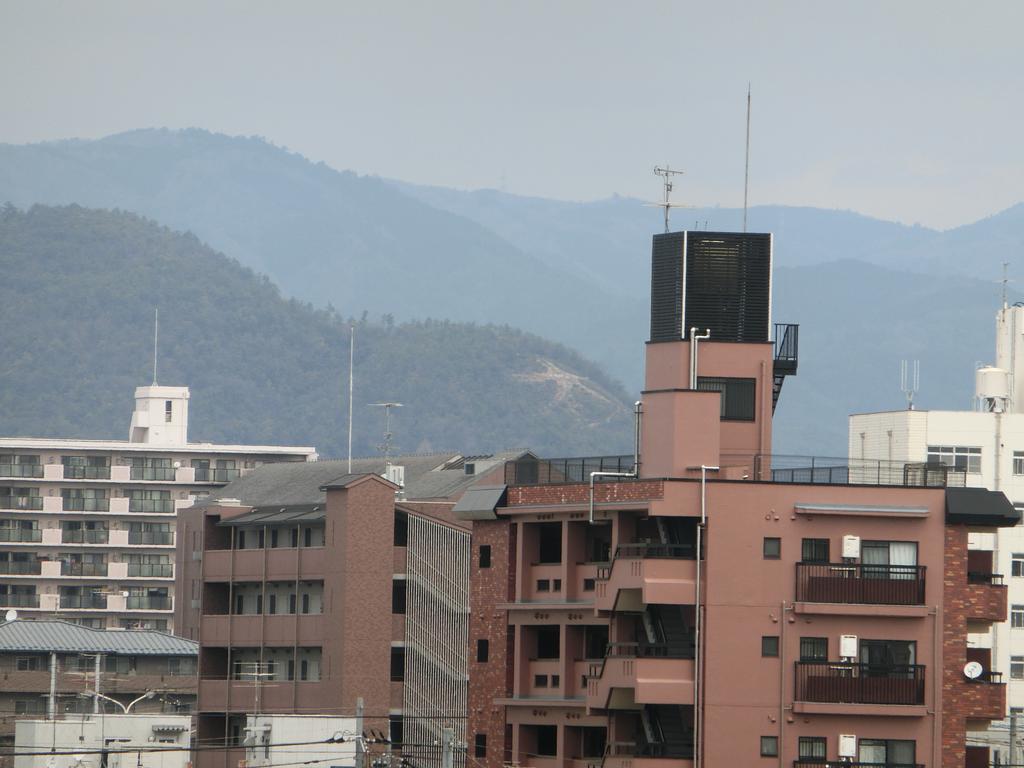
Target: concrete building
986, 446
312, 588
708, 603
302, 739
55, 669
107, 741
87, 526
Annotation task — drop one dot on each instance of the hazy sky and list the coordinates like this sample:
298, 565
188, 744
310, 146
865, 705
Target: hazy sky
904, 110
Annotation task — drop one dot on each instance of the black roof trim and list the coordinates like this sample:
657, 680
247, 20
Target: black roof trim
981, 507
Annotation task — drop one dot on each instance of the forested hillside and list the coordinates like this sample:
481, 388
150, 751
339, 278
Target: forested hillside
79, 291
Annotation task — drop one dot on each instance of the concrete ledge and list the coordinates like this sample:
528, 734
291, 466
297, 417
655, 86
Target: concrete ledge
883, 710
856, 609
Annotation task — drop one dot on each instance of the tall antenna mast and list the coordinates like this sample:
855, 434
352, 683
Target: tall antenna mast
156, 339
385, 447
351, 381
911, 386
1005, 280
667, 173
746, 163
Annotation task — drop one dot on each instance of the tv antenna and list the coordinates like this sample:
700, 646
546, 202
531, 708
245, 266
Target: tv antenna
667, 173
156, 339
385, 447
746, 163
910, 381
1004, 281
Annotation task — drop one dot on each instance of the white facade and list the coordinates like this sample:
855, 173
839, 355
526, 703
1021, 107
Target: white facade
987, 443
308, 735
160, 741
87, 526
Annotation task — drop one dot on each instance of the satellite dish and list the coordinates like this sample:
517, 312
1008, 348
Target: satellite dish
11, 615
973, 670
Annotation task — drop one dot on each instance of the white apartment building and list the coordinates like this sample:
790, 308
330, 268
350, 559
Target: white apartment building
158, 741
987, 444
87, 526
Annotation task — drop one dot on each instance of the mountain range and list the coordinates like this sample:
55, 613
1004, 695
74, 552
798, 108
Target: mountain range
866, 292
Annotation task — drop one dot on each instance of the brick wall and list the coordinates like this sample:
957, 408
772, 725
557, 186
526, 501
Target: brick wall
579, 493
962, 699
493, 679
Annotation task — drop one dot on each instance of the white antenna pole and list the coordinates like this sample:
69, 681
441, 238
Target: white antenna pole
746, 164
666, 203
351, 380
1005, 281
156, 339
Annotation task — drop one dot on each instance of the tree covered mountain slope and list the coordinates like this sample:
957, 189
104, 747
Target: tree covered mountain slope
78, 295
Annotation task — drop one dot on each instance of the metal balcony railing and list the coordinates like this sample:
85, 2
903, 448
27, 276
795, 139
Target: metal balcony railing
85, 537
83, 569
84, 472
19, 601
21, 567
10, 501
831, 470
21, 535
845, 682
151, 505
680, 750
21, 470
148, 603
982, 577
86, 504
643, 550
86, 602
558, 471
152, 473
815, 763
150, 570
860, 584
150, 537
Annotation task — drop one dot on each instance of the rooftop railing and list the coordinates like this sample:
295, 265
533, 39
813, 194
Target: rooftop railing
569, 470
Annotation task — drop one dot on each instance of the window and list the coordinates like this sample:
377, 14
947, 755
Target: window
958, 457
540, 681
483, 647
769, 746
485, 555
1017, 564
1017, 616
886, 751
1018, 462
885, 658
814, 551
894, 559
401, 536
549, 546
395, 729
772, 548
480, 745
271, 604
770, 645
813, 649
305, 602
811, 748
1017, 667
547, 642
397, 664
398, 596
738, 396
168, 411
27, 663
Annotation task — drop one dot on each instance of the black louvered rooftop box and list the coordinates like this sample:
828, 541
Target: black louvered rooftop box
711, 280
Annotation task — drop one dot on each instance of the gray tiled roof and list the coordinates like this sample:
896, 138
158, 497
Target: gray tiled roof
64, 637
290, 483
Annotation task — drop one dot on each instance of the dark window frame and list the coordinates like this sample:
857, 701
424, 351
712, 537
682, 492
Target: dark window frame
771, 548
769, 646
738, 396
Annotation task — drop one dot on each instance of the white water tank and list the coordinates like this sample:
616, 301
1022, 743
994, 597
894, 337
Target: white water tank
992, 385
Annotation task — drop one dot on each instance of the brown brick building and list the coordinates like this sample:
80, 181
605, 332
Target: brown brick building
708, 603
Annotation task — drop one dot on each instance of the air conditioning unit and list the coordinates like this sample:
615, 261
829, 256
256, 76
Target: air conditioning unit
848, 646
847, 745
851, 546
396, 474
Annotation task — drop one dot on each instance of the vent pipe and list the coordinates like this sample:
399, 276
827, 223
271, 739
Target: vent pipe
637, 411
694, 339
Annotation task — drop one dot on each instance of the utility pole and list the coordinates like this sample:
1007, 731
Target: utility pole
360, 747
1013, 738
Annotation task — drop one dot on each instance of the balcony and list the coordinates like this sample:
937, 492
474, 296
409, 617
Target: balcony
153, 538
810, 763
78, 472
150, 570
19, 601
162, 474
985, 697
21, 470
21, 535
148, 603
86, 504
644, 574
278, 629
283, 564
860, 584
151, 506
284, 696
642, 673
98, 536
215, 475
83, 602
83, 569
20, 567
10, 501
844, 682
987, 594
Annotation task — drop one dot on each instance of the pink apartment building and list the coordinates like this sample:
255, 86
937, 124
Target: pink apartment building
715, 604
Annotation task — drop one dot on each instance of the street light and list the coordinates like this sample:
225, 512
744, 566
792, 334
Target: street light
125, 708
